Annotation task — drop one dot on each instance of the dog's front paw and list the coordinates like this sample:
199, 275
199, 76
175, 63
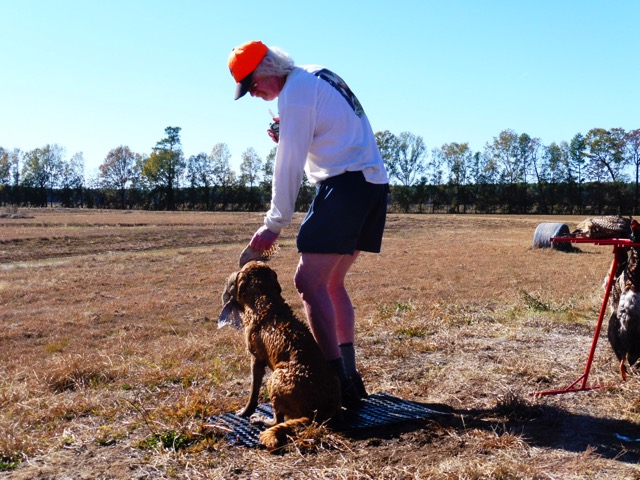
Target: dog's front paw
245, 412
258, 418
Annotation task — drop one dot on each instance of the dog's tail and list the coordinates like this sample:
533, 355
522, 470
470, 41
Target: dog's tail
276, 436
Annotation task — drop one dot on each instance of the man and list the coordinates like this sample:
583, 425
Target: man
323, 132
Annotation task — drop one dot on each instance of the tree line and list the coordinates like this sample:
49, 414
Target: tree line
592, 173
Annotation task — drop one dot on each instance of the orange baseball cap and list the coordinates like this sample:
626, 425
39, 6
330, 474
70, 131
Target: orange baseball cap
243, 61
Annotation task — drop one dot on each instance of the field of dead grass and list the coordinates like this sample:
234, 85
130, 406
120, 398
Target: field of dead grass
111, 361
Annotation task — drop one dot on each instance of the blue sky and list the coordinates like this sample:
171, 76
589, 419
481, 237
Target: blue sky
91, 76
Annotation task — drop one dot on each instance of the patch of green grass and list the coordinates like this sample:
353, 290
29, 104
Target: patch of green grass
170, 439
8, 464
534, 303
539, 305
107, 435
397, 308
148, 443
57, 346
412, 332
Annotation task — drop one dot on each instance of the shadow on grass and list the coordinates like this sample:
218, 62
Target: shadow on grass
538, 425
553, 427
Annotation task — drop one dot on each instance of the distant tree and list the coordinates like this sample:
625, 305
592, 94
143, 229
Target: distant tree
141, 187
632, 153
556, 157
404, 158
484, 170
539, 165
5, 167
267, 173
503, 150
5, 174
388, 147
198, 171
504, 153
577, 171
14, 161
199, 178
118, 171
408, 163
421, 193
223, 175
305, 194
485, 173
554, 172
15, 158
250, 168
267, 167
72, 181
458, 158
577, 159
165, 165
435, 170
430, 187
528, 150
41, 171
605, 153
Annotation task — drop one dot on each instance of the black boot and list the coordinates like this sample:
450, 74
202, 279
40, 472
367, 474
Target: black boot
356, 379
350, 396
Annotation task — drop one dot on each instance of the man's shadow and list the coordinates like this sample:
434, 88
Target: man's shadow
538, 425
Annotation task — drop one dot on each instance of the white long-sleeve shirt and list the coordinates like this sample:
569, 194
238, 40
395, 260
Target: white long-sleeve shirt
323, 132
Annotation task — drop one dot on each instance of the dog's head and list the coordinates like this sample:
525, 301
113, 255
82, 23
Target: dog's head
244, 288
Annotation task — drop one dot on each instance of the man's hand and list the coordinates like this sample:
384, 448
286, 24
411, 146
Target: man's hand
263, 239
274, 130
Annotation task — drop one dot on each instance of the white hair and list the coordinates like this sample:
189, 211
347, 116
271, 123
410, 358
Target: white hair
276, 62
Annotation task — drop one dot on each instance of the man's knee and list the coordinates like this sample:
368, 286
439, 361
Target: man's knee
301, 281
337, 288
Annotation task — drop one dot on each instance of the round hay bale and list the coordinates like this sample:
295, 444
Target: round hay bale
546, 231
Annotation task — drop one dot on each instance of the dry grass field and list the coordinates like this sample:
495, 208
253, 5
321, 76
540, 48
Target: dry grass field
111, 361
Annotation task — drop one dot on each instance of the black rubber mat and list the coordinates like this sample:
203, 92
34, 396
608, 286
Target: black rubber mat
376, 410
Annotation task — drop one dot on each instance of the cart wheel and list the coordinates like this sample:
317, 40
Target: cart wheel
545, 231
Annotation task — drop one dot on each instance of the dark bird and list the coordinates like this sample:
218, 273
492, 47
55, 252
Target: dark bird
610, 226
624, 323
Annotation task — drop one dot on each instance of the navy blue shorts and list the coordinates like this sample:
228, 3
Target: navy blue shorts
347, 214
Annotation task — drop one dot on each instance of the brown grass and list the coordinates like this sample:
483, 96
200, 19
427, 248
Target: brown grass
111, 361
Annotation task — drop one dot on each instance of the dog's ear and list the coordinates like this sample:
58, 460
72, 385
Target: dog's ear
231, 288
230, 314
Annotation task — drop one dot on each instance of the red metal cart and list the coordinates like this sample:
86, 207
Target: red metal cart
580, 384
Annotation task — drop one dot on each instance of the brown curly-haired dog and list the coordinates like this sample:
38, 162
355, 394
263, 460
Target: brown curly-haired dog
302, 388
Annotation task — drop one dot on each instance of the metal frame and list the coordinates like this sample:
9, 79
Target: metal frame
617, 243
